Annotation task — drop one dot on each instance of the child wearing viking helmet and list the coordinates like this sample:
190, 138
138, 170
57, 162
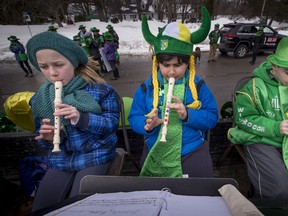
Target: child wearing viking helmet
193, 108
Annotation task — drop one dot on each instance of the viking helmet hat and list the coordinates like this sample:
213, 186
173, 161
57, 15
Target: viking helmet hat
175, 38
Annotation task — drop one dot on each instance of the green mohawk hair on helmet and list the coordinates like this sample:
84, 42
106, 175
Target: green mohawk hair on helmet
175, 38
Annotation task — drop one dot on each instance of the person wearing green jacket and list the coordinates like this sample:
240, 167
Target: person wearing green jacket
261, 118
214, 37
258, 43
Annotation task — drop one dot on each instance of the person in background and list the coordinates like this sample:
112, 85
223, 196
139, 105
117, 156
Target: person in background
193, 109
257, 43
97, 43
86, 42
214, 37
114, 34
83, 32
77, 40
109, 50
89, 115
260, 113
100, 41
99, 38
52, 29
81, 43
116, 41
19, 50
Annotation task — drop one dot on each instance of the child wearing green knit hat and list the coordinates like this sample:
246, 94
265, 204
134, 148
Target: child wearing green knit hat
88, 114
174, 108
261, 118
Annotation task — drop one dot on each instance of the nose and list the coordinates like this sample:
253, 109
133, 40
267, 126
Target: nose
53, 71
172, 71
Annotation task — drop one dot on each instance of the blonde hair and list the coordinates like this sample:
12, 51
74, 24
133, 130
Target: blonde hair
196, 104
90, 72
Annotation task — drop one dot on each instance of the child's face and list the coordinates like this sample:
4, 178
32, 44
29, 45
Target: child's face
173, 69
281, 74
55, 66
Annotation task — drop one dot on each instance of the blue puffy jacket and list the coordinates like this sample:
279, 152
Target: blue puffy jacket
198, 122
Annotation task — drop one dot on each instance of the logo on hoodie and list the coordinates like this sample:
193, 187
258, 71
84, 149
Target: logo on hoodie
275, 103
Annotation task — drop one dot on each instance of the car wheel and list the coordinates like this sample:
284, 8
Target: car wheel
241, 51
222, 51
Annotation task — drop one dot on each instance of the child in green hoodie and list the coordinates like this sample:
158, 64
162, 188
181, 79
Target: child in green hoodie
261, 117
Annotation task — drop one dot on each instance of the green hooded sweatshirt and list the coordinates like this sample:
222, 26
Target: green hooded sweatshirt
257, 110
261, 105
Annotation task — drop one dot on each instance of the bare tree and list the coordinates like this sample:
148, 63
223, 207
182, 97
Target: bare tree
11, 11
171, 8
53, 8
185, 9
39, 10
160, 8
139, 8
114, 8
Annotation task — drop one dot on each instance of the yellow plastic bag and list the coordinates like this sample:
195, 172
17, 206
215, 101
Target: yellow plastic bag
19, 111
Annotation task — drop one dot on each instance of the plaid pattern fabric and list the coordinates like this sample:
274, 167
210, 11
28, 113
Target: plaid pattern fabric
94, 145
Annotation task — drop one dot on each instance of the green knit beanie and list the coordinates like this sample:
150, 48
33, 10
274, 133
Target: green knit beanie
49, 40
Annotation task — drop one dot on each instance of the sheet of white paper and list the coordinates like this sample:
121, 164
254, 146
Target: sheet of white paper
195, 205
145, 203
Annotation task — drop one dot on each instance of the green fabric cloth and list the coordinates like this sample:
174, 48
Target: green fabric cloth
164, 159
280, 57
259, 33
85, 43
257, 112
23, 56
73, 94
214, 36
283, 92
269, 102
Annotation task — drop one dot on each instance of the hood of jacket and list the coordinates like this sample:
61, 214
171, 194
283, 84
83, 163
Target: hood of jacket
264, 71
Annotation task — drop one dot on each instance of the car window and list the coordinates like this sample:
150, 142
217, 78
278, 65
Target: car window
245, 29
227, 28
267, 30
254, 29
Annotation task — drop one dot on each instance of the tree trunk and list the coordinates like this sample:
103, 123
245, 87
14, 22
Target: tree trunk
57, 19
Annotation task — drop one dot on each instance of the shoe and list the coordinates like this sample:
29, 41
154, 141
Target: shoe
31, 75
252, 62
101, 74
214, 60
26, 75
209, 61
113, 78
